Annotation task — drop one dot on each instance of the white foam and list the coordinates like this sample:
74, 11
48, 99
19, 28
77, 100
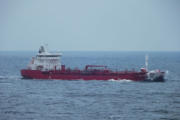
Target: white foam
167, 72
10, 77
120, 80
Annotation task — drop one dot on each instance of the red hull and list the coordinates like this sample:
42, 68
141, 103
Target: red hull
46, 66
83, 75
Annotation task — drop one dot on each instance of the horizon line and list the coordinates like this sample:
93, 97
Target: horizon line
93, 50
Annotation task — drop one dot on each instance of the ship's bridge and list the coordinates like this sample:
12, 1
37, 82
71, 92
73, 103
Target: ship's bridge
45, 60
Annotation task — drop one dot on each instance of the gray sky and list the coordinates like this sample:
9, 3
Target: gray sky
133, 25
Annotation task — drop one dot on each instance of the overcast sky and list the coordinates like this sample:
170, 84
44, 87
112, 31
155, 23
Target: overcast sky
110, 25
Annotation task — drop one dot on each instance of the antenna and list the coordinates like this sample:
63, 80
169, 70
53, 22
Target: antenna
46, 47
146, 61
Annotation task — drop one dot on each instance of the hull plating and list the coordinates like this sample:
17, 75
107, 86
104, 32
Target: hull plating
78, 75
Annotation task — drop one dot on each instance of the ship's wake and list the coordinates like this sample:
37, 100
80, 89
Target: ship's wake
120, 80
9, 77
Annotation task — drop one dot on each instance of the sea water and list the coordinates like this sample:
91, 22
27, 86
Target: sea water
30, 99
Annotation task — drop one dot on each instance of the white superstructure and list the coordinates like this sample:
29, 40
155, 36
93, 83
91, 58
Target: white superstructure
45, 61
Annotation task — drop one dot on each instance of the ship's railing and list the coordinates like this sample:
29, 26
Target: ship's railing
95, 66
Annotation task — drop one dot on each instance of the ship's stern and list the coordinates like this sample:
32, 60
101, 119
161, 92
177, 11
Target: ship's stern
26, 74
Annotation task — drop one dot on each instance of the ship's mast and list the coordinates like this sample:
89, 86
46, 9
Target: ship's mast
146, 61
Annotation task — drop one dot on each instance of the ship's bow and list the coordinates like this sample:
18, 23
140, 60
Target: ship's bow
156, 76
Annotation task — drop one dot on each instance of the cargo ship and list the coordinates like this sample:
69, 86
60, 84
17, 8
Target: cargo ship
47, 65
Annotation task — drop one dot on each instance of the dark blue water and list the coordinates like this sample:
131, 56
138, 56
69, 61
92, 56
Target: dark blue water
90, 100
